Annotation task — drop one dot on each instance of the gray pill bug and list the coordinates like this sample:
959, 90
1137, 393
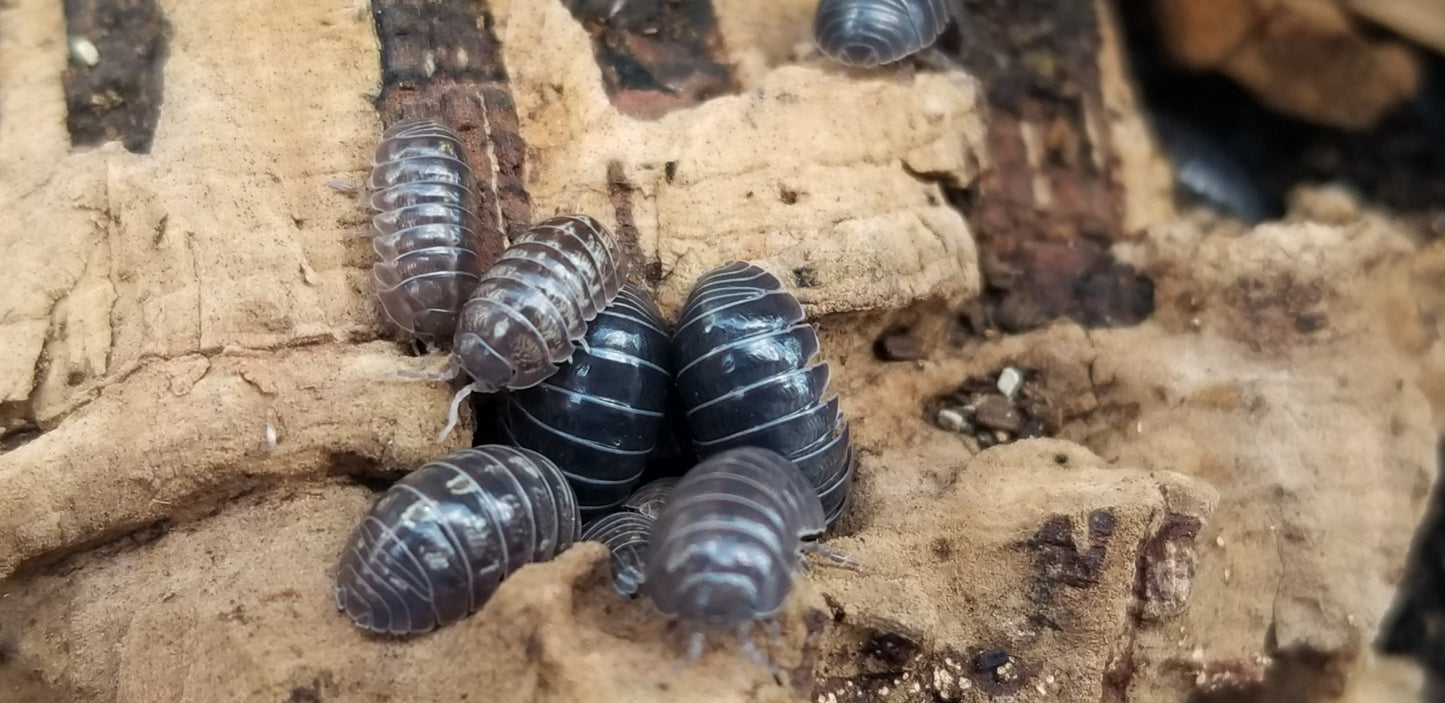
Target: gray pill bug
730, 539
601, 416
424, 229
749, 374
649, 498
440, 541
625, 534
1207, 172
867, 33
530, 310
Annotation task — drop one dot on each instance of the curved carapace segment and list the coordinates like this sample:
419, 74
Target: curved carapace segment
441, 540
625, 534
602, 414
532, 306
869, 33
424, 229
749, 374
726, 546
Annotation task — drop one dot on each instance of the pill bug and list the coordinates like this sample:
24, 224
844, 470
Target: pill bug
529, 312
601, 415
437, 544
625, 534
424, 229
868, 33
651, 496
749, 374
727, 543
1207, 170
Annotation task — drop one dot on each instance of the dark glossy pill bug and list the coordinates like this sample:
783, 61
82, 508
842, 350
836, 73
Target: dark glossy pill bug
725, 549
424, 230
868, 33
625, 534
651, 496
441, 540
602, 414
749, 374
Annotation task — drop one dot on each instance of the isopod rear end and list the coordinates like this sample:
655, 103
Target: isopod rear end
625, 535
869, 33
441, 540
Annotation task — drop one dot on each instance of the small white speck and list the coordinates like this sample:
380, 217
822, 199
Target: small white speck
83, 50
1219, 541
1009, 381
270, 436
883, 691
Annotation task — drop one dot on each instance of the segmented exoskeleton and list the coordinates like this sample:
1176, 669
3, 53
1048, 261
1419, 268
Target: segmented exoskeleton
649, 498
626, 535
869, 33
601, 415
441, 540
424, 230
749, 374
530, 310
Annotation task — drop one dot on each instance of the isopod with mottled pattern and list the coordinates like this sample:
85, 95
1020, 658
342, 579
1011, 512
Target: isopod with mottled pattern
440, 541
601, 415
749, 374
625, 534
424, 229
868, 33
726, 547
529, 312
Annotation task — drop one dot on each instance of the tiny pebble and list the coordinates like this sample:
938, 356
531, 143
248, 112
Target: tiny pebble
951, 420
990, 660
997, 413
901, 346
1009, 381
83, 50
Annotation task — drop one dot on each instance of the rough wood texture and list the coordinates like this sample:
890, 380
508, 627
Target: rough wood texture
656, 56
1304, 58
1048, 207
118, 96
183, 306
442, 59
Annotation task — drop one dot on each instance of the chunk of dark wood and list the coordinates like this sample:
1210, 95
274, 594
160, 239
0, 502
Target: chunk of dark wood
113, 85
656, 55
1047, 209
441, 59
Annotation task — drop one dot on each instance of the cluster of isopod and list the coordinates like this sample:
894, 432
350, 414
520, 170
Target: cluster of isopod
589, 372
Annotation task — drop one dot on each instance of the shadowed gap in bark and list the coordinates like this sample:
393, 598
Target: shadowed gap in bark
113, 83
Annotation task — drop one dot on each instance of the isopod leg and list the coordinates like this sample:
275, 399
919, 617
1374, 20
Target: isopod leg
935, 59
447, 375
454, 414
750, 650
831, 556
339, 185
